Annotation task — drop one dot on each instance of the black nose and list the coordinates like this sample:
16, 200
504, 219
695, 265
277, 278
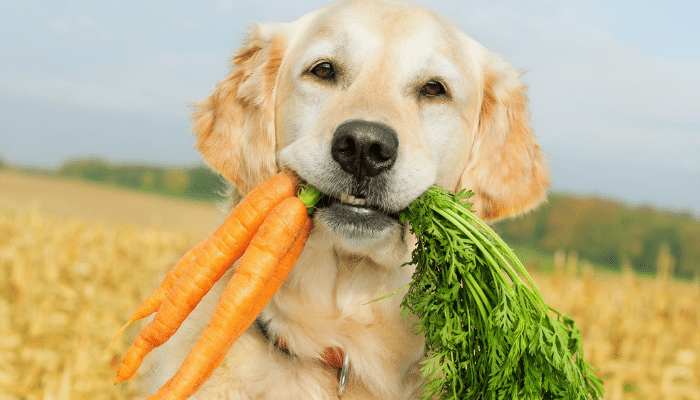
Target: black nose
364, 149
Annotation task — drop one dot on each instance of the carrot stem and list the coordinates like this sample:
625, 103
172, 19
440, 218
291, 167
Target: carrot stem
309, 195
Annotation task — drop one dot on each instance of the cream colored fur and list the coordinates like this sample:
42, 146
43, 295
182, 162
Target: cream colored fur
269, 112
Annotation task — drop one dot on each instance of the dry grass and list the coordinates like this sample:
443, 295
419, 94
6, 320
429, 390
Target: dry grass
67, 285
642, 333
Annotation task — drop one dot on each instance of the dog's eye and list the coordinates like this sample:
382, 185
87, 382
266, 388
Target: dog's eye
324, 70
432, 89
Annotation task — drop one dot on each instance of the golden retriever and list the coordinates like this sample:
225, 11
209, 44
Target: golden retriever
372, 102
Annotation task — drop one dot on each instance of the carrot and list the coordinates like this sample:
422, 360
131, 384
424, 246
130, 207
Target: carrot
154, 300
221, 250
260, 272
271, 287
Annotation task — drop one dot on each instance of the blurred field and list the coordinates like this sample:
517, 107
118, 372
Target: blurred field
69, 280
66, 286
75, 261
103, 203
642, 333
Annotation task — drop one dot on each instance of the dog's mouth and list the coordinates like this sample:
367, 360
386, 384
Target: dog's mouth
354, 214
355, 204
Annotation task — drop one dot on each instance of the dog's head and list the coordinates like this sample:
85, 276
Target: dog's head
372, 102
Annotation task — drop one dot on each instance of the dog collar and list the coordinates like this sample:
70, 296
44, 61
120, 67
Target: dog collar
334, 357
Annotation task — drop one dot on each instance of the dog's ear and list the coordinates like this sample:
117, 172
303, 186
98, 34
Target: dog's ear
235, 126
506, 169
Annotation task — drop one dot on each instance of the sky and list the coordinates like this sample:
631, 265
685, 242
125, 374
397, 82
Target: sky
614, 85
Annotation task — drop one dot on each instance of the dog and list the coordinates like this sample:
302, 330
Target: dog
372, 102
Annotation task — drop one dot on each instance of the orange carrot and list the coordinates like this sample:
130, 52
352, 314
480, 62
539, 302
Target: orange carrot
283, 232
271, 287
221, 250
153, 301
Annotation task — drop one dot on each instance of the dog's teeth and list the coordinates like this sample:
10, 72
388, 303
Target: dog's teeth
349, 199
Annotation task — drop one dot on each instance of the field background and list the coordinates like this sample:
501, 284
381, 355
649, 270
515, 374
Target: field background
77, 258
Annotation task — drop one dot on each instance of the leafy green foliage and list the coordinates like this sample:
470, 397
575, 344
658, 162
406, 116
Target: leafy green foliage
489, 333
198, 183
608, 232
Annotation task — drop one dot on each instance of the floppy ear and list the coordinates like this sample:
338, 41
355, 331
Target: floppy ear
506, 169
235, 126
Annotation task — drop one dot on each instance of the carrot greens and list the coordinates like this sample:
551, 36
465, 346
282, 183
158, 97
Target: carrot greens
489, 332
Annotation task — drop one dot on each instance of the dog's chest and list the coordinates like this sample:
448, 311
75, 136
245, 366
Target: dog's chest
329, 303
